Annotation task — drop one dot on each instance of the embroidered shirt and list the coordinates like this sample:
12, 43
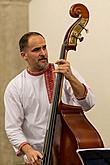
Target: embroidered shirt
28, 105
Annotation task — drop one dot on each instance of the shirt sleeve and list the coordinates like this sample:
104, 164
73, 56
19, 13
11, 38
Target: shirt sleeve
89, 100
14, 117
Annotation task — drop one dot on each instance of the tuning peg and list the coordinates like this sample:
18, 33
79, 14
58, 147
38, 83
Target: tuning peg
87, 31
81, 39
84, 28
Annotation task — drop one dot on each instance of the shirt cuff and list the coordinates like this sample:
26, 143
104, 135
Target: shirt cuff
19, 152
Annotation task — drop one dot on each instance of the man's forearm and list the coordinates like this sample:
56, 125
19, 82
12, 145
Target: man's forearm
79, 89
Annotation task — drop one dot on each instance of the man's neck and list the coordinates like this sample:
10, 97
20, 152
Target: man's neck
36, 73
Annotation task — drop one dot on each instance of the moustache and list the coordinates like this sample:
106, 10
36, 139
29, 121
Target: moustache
43, 58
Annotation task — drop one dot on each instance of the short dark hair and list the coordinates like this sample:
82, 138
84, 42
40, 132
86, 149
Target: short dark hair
23, 42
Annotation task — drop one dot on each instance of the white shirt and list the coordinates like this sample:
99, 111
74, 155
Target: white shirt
27, 107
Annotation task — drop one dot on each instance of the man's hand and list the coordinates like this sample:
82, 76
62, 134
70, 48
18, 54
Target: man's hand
34, 157
64, 68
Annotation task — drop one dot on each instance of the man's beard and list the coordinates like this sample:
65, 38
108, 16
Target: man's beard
42, 66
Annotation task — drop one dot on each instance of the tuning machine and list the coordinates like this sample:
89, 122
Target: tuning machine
86, 30
80, 38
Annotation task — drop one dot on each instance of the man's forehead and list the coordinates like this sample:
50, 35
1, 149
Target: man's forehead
36, 40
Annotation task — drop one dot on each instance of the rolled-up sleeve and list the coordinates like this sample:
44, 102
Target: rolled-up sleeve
68, 94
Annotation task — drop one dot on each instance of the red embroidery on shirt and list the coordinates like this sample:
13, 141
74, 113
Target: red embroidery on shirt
37, 73
50, 79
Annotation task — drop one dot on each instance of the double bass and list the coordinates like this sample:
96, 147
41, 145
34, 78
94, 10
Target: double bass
69, 129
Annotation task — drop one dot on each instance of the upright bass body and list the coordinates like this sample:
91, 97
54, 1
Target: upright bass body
73, 130
69, 128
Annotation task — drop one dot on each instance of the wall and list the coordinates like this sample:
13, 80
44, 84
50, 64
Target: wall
92, 57
13, 23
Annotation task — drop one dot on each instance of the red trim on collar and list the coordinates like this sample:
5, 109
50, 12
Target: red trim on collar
37, 73
49, 79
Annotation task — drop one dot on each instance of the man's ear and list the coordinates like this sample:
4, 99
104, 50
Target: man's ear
24, 55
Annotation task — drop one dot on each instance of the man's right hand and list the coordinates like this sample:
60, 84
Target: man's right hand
34, 157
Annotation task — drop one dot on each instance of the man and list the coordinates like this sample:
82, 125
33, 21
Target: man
28, 97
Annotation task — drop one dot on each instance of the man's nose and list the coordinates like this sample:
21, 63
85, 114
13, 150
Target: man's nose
42, 51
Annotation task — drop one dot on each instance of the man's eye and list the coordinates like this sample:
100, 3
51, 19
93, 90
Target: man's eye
44, 47
39, 48
36, 49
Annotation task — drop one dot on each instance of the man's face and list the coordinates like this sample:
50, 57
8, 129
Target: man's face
36, 53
